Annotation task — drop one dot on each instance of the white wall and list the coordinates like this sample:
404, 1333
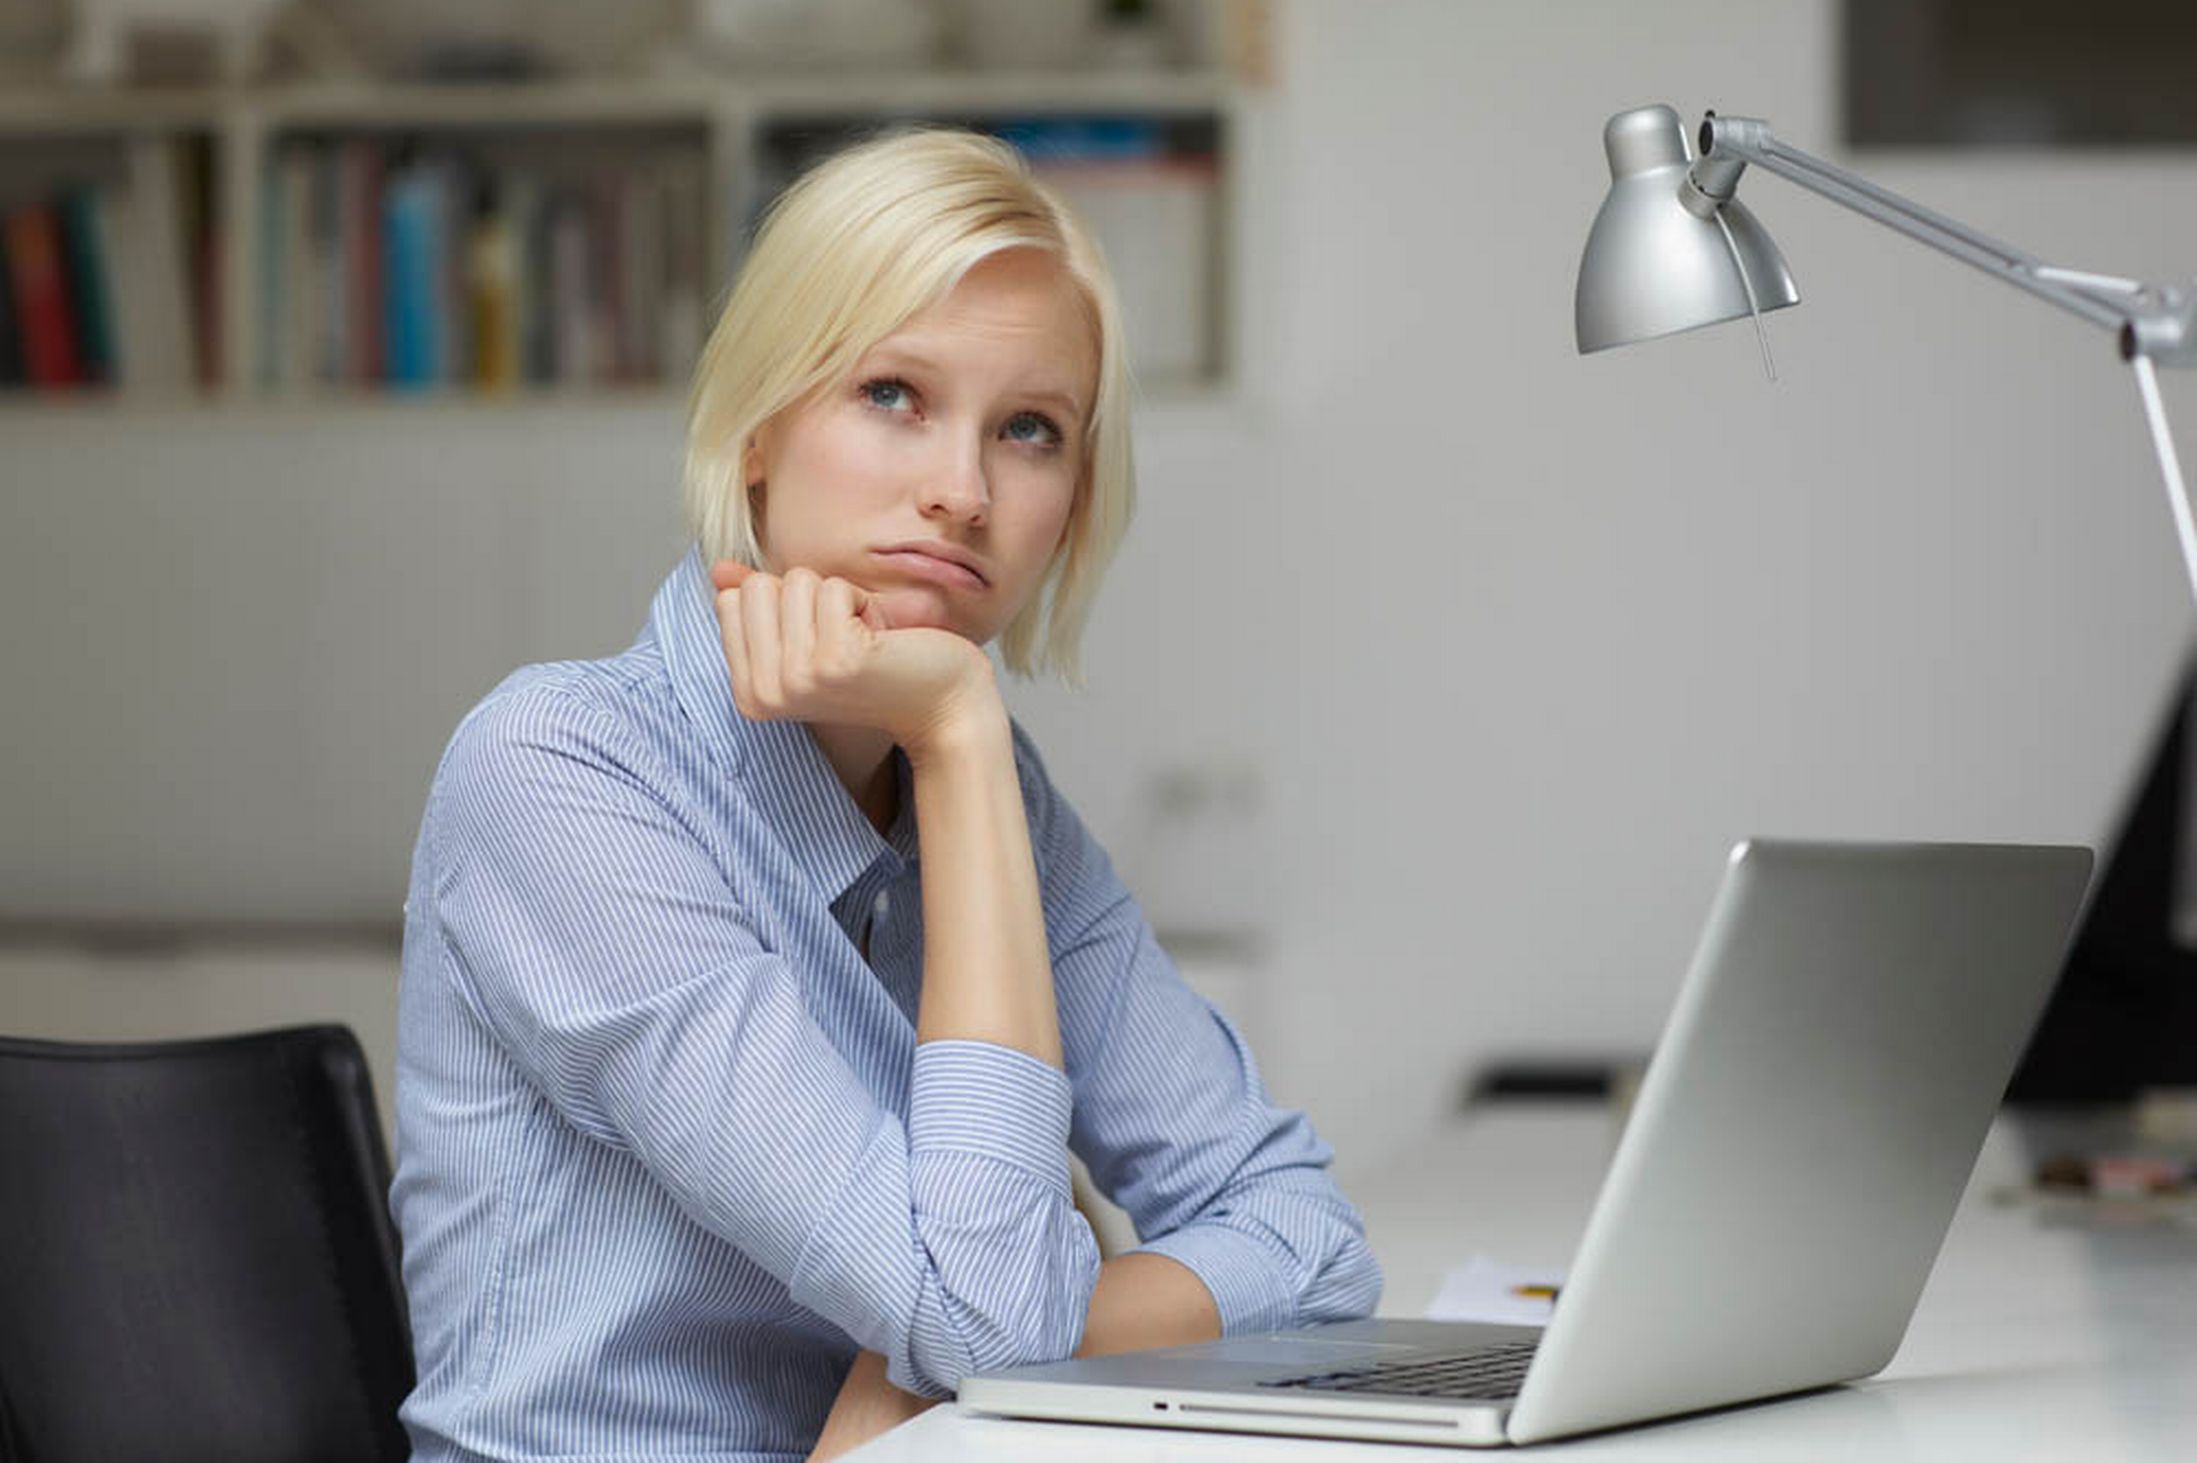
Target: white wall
1529, 639
1567, 627
1516, 643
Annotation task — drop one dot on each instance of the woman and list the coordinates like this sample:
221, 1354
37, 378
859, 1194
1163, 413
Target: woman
757, 981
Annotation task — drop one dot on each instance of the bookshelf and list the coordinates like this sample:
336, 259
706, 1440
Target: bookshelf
340, 245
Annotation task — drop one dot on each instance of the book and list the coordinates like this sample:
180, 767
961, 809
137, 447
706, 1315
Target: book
572, 295
43, 316
492, 282
152, 293
199, 226
267, 332
297, 303
679, 313
360, 170
86, 270
640, 271
12, 370
327, 275
411, 265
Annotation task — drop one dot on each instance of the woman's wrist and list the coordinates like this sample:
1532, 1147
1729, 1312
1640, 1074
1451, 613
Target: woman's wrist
970, 723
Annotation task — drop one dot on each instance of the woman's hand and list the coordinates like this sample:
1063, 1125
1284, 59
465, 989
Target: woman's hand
867, 1405
806, 648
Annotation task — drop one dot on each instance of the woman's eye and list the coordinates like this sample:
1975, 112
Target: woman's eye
1035, 428
888, 394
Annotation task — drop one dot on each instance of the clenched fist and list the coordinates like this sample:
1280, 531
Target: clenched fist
803, 647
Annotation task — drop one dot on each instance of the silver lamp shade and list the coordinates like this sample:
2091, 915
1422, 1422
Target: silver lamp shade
1651, 267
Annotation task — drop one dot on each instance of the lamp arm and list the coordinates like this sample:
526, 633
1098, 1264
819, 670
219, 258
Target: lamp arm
2153, 323
2157, 321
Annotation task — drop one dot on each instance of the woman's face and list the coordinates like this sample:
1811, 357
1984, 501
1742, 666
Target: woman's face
941, 474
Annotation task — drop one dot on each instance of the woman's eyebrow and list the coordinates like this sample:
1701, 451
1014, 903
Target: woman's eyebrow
1059, 396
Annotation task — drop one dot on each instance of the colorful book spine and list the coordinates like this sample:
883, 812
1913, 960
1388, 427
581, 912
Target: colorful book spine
12, 369
447, 268
572, 297
411, 266
204, 246
42, 310
274, 265
361, 184
330, 275
679, 314
492, 282
88, 272
290, 269
153, 298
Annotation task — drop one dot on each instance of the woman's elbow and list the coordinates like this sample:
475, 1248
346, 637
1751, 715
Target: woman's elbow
1017, 1315
1347, 1287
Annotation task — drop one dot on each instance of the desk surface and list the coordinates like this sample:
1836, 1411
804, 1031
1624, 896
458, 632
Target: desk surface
2032, 1342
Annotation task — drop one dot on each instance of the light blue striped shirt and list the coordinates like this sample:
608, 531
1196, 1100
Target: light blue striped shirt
668, 1152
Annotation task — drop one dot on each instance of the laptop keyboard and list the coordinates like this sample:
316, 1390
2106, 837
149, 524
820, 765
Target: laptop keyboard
1485, 1373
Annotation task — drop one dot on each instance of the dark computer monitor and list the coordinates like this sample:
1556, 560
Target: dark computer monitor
2124, 1016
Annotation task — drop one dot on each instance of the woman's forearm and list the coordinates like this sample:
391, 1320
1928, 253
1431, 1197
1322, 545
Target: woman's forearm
987, 972
866, 1406
1145, 1300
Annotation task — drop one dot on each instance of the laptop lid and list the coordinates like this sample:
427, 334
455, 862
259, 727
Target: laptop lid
1806, 1128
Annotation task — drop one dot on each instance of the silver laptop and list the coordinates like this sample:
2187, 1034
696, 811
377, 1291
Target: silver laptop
1804, 1133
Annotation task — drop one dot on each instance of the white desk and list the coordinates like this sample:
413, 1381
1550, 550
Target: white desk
2031, 1343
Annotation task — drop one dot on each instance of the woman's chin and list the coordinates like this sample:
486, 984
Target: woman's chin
909, 608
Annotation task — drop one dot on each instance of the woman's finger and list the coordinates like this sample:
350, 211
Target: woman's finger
736, 649
836, 618
727, 573
797, 627
759, 616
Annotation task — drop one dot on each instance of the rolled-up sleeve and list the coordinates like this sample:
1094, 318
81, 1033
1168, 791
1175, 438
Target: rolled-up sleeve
1171, 1115
595, 933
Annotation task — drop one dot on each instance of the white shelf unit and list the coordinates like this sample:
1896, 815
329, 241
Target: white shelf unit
730, 115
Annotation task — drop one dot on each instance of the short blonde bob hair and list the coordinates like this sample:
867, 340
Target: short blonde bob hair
865, 240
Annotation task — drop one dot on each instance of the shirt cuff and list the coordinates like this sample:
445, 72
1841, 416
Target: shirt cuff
991, 1100
1248, 1290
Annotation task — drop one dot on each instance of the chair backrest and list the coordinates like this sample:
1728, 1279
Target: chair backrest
196, 1255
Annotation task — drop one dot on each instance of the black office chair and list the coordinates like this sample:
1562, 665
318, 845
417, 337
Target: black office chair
196, 1258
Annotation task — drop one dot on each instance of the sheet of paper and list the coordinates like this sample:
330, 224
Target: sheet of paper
1491, 1291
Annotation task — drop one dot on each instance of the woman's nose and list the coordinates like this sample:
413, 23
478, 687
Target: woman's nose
958, 489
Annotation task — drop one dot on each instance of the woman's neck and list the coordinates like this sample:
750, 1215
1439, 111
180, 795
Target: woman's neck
863, 759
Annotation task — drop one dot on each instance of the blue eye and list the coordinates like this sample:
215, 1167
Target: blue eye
1046, 434
887, 393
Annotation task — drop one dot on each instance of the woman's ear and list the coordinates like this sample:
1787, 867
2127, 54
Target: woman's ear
752, 480
751, 458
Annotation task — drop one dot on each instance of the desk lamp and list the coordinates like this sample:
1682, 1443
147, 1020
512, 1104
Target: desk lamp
1673, 250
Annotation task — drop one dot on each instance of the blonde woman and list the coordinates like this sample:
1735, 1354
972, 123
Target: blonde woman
757, 981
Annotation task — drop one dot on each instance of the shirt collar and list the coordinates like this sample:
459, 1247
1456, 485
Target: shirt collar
778, 762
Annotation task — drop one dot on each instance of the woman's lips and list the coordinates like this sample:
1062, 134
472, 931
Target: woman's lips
930, 568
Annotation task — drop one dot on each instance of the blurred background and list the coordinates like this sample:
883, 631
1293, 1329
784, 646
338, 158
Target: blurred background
344, 355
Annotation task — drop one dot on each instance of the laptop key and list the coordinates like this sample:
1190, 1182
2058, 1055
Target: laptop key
1488, 1372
